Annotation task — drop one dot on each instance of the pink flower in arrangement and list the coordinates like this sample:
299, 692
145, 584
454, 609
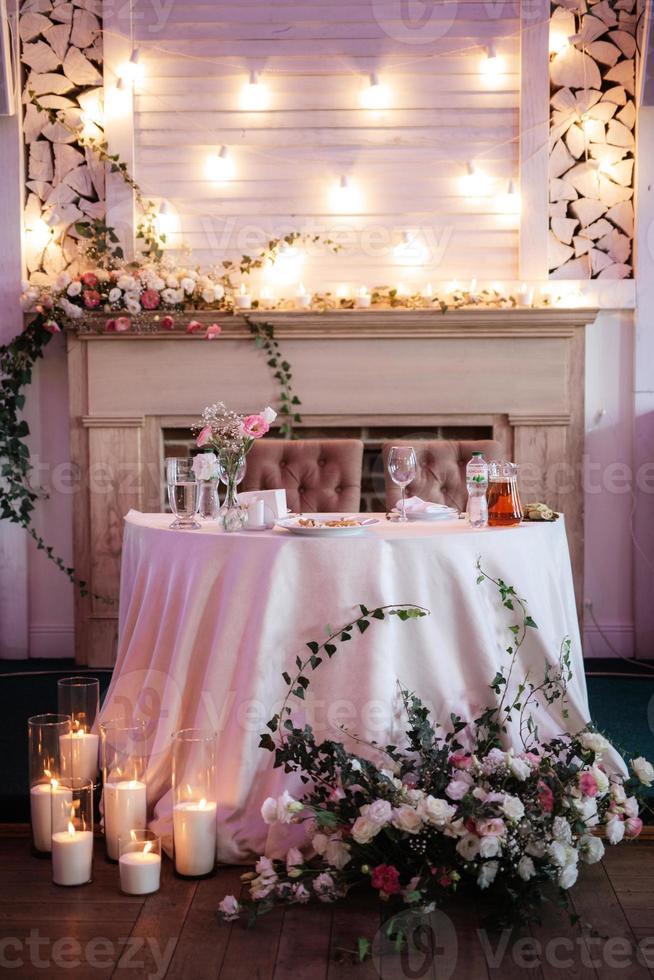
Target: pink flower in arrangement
588, 784
110, 325
633, 827
123, 324
204, 437
92, 298
386, 878
90, 279
460, 760
545, 797
167, 323
193, 326
52, 327
150, 299
492, 827
213, 331
255, 426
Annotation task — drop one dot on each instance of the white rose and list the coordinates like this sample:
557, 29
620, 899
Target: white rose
643, 770
62, 280
229, 908
631, 806
208, 295
407, 819
74, 312
287, 807
487, 874
115, 294
526, 868
594, 742
558, 853
188, 285
617, 792
132, 305
337, 854
457, 789
219, 292
205, 466
601, 779
74, 289
269, 810
270, 415
468, 847
494, 761
101, 275
561, 830
614, 830
587, 810
489, 847
172, 282
435, 811
513, 808
364, 829
591, 848
156, 282
519, 768
380, 811
172, 296
127, 284
568, 876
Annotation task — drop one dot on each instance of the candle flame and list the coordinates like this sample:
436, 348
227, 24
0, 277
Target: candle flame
54, 783
203, 803
148, 847
47, 774
71, 828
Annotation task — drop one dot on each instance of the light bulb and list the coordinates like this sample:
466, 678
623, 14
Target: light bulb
254, 94
345, 197
132, 70
376, 95
164, 221
342, 291
220, 166
410, 250
38, 234
492, 66
475, 182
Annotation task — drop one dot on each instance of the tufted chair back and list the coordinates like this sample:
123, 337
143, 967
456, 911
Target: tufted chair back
441, 469
317, 474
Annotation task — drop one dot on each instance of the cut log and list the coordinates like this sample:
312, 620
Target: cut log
50, 82
560, 160
563, 100
597, 230
625, 41
602, 111
66, 158
598, 261
68, 214
558, 209
575, 269
58, 133
63, 12
627, 5
586, 98
40, 161
33, 123
557, 252
97, 171
80, 70
595, 130
584, 179
40, 187
617, 245
587, 211
86, 27
40, 57
575, 69
591, 29
581, 245
607, 155
561, 190
627, 116
612, 193
616, 271
604, 10
564, 229
623, 216
93, 209
53, 259
575, 141
622, 172
61, 194
616, 95
58, 40
80, 180
560, 123
563, 22
604, 52
95, 6
31, 25
624, 74
56, 102
618, 134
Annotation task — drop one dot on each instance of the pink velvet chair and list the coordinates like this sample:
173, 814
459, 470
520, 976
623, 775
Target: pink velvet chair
317, 474
441, 469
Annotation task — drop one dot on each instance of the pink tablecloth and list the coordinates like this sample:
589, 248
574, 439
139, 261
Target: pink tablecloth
208, 621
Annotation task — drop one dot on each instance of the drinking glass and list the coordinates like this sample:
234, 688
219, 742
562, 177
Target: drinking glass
402, 468
504, 506
182, 492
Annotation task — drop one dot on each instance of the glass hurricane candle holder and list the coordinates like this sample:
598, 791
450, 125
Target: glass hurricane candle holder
194, 803
79, 697
123, 776
72, 831
140, 862
44, 734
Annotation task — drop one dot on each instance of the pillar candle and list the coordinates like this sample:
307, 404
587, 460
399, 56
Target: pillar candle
140, 872
72, 856
41, 813
362, 299
194, 837
125, 809
79, 755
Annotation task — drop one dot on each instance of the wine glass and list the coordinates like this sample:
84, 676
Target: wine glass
402, 469
183, 492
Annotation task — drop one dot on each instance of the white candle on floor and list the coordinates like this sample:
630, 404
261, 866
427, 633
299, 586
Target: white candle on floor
125, 809
79, 755
140, 872
41, 813
194, 837
72, 856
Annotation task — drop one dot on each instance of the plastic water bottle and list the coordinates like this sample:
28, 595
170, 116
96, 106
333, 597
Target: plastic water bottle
477, 485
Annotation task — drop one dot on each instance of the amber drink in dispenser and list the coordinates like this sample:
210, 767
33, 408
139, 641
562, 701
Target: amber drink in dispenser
504, 506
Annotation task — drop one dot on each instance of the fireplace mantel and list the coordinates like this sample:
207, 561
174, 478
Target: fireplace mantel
520, 372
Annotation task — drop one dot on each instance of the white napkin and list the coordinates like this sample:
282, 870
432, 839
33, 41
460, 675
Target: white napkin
274, 503
416, 505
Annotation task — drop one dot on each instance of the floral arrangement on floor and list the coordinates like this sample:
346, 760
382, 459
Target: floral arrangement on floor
453, 809
231, 436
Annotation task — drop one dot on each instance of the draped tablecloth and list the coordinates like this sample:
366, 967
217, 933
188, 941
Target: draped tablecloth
209, 620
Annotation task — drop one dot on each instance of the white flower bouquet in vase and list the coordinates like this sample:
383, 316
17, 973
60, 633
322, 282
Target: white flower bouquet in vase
231, 436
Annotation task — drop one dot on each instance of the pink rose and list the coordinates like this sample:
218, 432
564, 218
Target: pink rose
633, 827
588, 784
90, 279
254, 426
52, 327
460, 760
123, 324
492, 827
545, 797
110, 325
150, 299
213, 331
204, 437
193, 326
92, 298
167, 323
386, 878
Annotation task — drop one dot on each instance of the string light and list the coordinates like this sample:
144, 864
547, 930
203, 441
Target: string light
220, 166
38, 234
410, 250
346, 197
376, 95
474, 182
254, 94
133, 70
492, 66
164, 221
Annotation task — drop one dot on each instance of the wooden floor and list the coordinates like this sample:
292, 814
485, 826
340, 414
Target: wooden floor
175, 934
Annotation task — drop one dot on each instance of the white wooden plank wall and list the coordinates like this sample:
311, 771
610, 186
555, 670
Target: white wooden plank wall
315, 58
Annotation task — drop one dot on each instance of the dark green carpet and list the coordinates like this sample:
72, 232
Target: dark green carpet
622, 708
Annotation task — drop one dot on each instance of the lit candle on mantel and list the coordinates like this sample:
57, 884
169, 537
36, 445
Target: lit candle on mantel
428, 292
194, 837
243, 299
526, 295
265, 297
125, 808
362, 299
473, 289
302, 298
140, 870
72, 856
79, 753
401, 289
41, 810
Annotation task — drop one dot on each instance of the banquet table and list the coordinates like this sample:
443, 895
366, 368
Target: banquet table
209, 620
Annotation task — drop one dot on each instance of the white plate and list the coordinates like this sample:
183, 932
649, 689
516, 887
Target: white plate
434, 515
291, 524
